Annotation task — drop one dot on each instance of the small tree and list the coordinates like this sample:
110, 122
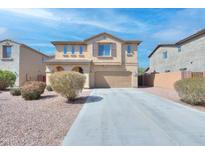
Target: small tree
141, 71
7, 79
68, 84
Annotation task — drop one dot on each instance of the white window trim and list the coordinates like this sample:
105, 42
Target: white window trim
82, 51
65, 54
163, 55
7, 58
131, 52
72, 54
104, 51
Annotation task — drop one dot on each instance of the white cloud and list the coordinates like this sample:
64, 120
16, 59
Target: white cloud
108, 20
180, 25
2, 30
168, 34
37, 13
40, 44
104, 19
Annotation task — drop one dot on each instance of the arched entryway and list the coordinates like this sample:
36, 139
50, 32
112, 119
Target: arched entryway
59, 68
78, 69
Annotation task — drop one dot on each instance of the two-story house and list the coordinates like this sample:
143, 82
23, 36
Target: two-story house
187, 54
25, 62
105, 60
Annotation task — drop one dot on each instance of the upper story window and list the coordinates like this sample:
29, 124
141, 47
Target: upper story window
129, 50
65, 50
164, 55
81, 50
44, 59
179, 48
104, 50
72, 50
7, 51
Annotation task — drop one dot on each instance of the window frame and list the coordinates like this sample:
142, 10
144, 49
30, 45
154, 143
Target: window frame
72, 50
3, 47
104, 50
65, 50
129, 50
179, 48
81, 50
164, 54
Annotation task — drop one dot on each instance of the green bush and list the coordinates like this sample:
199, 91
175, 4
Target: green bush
15, 91
7, 79
32, 90
49, 88
68, 84
191, 90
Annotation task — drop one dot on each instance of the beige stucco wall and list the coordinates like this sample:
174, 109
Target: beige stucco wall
192, 57
31, 64
129, 59
13, 63
60, 52
52, 68
116, 55
119, 60
90, 72
121, 68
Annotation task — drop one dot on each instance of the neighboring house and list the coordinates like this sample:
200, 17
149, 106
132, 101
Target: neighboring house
187, 54
24, 61
105, 60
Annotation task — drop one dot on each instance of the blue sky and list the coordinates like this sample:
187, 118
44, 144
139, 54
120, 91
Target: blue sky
37, 27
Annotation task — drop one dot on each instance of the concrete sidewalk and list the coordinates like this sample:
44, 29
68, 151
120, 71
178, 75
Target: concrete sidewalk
134, 117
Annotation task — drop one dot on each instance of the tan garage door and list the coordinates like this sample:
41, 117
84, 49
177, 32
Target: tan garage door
112, 79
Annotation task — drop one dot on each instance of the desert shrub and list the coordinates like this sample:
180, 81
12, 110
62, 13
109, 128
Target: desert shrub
32, 90
15, 91
39, 84
7, 79
49, 88
68, 84
191, 90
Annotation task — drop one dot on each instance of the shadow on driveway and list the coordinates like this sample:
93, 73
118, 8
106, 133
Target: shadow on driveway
86, 99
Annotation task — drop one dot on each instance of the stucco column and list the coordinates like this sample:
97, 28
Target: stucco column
134, 79
92, 79
87, 83
86, 70
48, 73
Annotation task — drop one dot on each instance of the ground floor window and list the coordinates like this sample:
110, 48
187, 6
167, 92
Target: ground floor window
59, 68
78, 69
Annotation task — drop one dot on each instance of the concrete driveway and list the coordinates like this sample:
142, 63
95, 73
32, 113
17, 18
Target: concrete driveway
134, 117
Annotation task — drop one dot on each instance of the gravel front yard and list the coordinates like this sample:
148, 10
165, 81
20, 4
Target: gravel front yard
40, 122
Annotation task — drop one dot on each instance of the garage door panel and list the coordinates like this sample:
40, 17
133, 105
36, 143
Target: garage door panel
112, 79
